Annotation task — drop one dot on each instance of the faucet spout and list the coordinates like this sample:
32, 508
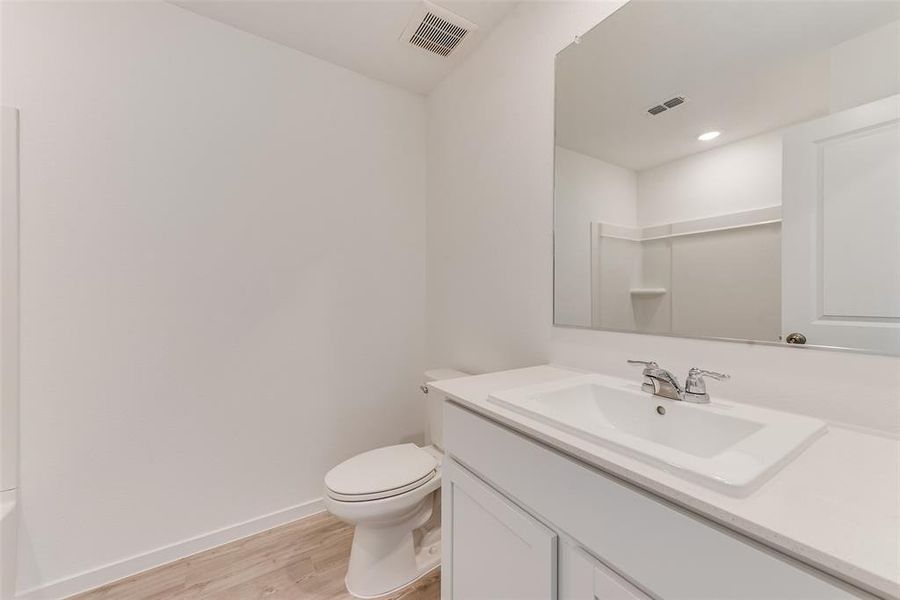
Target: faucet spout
659, 381
664, 383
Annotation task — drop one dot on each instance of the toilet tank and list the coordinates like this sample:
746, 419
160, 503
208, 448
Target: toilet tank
433, 406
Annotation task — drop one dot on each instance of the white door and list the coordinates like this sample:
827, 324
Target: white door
841, 229
493, 550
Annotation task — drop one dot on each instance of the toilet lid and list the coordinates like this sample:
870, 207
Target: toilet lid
381, 473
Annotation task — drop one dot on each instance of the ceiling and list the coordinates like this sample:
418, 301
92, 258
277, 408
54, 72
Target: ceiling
745, 67
360, 35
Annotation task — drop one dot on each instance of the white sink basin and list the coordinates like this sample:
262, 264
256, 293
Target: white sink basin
730, 447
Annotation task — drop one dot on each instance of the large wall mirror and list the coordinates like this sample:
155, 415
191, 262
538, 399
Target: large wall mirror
732, 170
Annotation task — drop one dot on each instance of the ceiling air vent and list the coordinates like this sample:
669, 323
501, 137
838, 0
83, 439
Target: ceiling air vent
436, 30
669, 104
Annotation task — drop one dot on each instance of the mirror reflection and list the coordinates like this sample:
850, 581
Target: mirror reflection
732, 170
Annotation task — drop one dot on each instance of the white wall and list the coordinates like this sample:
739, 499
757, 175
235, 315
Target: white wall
587, 190
222, 280
866, 68
490, 194
730, 178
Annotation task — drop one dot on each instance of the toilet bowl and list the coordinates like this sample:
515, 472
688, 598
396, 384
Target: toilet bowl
392, 497
389, 495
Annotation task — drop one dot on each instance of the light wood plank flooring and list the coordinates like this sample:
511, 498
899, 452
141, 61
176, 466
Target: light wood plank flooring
304, 560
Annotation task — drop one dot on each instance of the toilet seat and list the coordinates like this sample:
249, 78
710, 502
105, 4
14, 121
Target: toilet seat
381, 473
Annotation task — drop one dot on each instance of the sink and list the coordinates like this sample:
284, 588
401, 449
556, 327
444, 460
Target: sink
729, 447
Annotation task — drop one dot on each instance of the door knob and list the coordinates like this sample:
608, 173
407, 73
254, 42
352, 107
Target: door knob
795, 338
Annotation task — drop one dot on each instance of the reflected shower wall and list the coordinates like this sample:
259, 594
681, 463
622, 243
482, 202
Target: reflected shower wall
716, 277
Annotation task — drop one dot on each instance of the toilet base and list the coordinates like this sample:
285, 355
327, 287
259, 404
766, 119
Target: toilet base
388, 593
386, 558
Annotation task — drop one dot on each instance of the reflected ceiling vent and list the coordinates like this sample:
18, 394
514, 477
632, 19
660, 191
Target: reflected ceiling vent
669, 104
436, 30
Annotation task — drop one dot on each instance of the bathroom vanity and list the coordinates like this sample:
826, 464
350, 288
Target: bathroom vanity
534, 510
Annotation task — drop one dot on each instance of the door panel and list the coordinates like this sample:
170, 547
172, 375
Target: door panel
861, 223
841, 228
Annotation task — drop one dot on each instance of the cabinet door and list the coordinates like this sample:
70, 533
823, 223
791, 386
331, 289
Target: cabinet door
609, 586
581, 577
492, 549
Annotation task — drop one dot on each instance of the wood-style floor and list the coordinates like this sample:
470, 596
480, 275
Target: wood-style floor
304, 560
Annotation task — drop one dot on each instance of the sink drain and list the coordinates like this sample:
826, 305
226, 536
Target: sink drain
660, 410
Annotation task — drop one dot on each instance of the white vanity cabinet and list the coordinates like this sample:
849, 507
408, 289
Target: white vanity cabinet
521, 520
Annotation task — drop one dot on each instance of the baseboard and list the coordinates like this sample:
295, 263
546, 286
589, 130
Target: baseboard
88, 580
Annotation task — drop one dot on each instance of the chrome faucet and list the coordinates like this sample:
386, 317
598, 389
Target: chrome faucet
660, 382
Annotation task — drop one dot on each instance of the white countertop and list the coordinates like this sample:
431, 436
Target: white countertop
836, 506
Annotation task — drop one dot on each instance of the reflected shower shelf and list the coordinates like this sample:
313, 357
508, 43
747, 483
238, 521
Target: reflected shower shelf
647, 292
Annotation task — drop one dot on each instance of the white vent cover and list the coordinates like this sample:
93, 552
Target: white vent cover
436, 29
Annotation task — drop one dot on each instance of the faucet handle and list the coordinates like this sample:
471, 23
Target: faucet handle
651, 364
704, 373
695, 385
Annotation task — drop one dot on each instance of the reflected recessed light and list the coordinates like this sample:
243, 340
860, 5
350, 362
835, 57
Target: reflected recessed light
709, 135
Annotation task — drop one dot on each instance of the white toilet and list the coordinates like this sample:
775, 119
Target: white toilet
391, 495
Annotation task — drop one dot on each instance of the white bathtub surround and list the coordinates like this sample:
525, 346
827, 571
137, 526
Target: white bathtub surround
833, 507
221, 237
9, 348
9, 299
8, 542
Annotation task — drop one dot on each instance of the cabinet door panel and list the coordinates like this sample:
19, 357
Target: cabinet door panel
582, 577
576, 574
493, 550
609, 586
